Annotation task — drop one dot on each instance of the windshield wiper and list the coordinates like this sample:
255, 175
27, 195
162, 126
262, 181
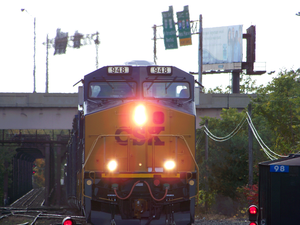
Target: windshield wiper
112, 87
151, 84
129, 85
166, 88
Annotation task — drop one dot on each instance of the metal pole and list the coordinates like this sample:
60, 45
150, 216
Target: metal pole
206, 168
47, 58
34, 48
200, 59
34, 51
235, 82
154, 39
206, 142
97, 42
250, 147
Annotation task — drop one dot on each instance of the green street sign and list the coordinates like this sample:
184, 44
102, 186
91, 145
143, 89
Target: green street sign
184, 28
170, 38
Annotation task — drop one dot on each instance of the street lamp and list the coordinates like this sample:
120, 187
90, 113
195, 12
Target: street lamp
34, 50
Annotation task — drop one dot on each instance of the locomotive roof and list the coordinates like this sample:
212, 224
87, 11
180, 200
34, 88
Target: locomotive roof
138, 73
291, 160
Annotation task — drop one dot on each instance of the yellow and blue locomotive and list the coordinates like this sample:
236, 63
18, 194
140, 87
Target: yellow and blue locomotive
131, 159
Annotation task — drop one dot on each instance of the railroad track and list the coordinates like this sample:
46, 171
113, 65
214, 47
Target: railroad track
30, 210
34, 198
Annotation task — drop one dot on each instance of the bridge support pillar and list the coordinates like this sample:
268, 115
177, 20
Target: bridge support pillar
47, 174
58, 186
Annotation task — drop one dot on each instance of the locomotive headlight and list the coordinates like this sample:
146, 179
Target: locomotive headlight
139, 115
112, 165
169, 165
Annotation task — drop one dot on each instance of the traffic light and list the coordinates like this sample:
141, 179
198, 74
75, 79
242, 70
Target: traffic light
33, 168
76, 39
253, 214
68, 221
60, 43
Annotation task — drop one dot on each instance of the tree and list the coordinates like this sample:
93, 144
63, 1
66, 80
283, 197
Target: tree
39, 177
247, 86
279, 104
5, 169
227, 166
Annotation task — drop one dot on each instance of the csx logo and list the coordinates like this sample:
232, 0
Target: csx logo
140, 135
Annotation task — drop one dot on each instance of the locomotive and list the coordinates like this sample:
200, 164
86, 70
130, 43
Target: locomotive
278, 192
131, 158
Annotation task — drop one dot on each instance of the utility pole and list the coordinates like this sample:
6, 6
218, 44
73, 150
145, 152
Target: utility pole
250, 147
206, 163
47, 58
34, 66
200, 58
157, 35
154, 48
34, 48
60, 43
97, 42
206, 142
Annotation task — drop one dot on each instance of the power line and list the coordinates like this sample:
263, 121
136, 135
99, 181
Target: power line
271, 154
221, 139
258, 138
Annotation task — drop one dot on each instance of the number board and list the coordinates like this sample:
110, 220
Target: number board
117, 70
279, 169
160, 70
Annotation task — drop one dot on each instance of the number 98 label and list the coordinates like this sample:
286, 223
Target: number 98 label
279, 169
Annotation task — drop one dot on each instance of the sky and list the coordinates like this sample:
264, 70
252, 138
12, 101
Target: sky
125, 32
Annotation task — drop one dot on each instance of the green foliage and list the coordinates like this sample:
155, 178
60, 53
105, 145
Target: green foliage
206, 199
39, 176
247, 86
219, 90
275, 115
279, 104
6, 156
227, 166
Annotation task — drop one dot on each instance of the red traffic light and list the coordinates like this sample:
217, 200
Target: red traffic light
68, 221
253, 214
252, 209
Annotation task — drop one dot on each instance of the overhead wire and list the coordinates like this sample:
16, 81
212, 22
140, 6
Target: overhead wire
271, 154
251, 125
227, 137
261, 145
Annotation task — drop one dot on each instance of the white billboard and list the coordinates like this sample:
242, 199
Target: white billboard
223, 45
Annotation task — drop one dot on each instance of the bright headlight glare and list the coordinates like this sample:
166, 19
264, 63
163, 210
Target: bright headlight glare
169, 165
139, 115
112, 165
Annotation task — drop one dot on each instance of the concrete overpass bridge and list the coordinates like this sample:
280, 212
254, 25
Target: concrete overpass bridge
56, 111
38, 125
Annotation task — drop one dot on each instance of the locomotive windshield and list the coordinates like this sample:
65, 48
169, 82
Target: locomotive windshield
166, 89
112, 89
